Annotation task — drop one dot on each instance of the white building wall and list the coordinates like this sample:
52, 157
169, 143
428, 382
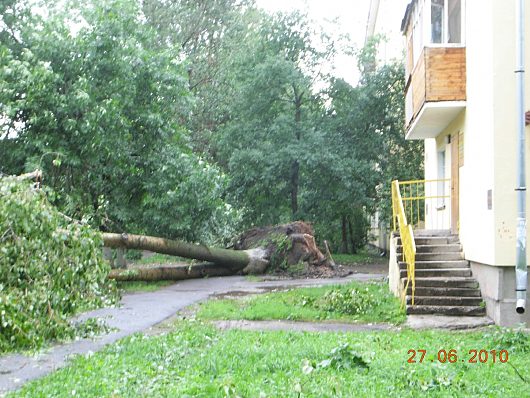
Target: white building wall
477, 226
505, 137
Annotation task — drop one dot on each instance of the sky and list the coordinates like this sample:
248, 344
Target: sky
351, 18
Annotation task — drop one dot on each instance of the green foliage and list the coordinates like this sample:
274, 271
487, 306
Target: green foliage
512, 340
50, 269
102, 98
360, 300
266, 143
359, 225
197, 360
367, 139
368, 302
192, 120
133, 254
279, 244
209, 34
184, 199
102, 109
344, 357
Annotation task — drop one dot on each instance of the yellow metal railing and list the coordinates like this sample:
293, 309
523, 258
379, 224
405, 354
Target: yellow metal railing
407, 239
426, 203
422, 204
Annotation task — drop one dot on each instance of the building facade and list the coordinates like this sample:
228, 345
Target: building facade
461, 100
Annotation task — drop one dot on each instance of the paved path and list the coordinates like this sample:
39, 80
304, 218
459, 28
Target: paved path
142, 311
304, 326
138, 312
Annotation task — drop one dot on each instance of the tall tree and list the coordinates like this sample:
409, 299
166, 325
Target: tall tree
102, 110
272, 119
367, 121
204, 34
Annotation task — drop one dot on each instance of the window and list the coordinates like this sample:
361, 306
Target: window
417, 33
434, 22
437, 21
446, 21
454, 21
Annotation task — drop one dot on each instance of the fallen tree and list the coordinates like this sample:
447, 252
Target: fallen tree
165, 273
253, 253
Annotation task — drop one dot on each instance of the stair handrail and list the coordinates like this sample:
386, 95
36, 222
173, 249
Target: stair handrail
407, 240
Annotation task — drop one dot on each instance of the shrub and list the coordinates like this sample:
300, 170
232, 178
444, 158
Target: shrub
353, 300
50, 268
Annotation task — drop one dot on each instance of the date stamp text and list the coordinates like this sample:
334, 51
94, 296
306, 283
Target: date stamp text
453, 356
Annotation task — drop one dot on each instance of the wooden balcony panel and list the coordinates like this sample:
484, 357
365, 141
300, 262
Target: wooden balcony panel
439, 75
418, 86
445, 74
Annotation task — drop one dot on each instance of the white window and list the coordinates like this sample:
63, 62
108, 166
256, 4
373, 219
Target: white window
417, 31
437, 21
454, 21
446, 21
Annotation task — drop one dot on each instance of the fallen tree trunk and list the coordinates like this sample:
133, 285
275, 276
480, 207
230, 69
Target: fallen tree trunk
235, 260
171, 273
231, 258
277, 246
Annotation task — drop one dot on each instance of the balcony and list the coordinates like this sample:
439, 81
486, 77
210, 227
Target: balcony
436, 91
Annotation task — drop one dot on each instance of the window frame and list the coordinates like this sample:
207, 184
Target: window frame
427, 38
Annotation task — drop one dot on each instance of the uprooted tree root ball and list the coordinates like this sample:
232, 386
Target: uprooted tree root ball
287, 246
280, 248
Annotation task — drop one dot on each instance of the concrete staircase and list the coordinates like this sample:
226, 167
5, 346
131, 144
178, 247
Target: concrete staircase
444, 284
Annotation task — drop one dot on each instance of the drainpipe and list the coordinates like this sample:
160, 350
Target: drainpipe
520, 262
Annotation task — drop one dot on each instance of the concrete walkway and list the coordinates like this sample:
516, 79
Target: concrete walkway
304, 326
147, 312
139, 312
413, 322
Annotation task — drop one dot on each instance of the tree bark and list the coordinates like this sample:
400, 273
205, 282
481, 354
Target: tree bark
233, 259
295, 165
170, 273
295, 170
352, 238
344, 247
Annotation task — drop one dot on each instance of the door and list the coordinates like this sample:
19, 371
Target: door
455, 168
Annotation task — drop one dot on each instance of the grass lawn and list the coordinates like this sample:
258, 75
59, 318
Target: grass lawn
362, 257
363, 302
196, 360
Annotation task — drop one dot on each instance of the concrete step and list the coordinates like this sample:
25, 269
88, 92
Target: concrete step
468, 310
433, 240
454, 282
448, 248
438, 272
445, 256
436, 264
433, 232
445, 300
438, 291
